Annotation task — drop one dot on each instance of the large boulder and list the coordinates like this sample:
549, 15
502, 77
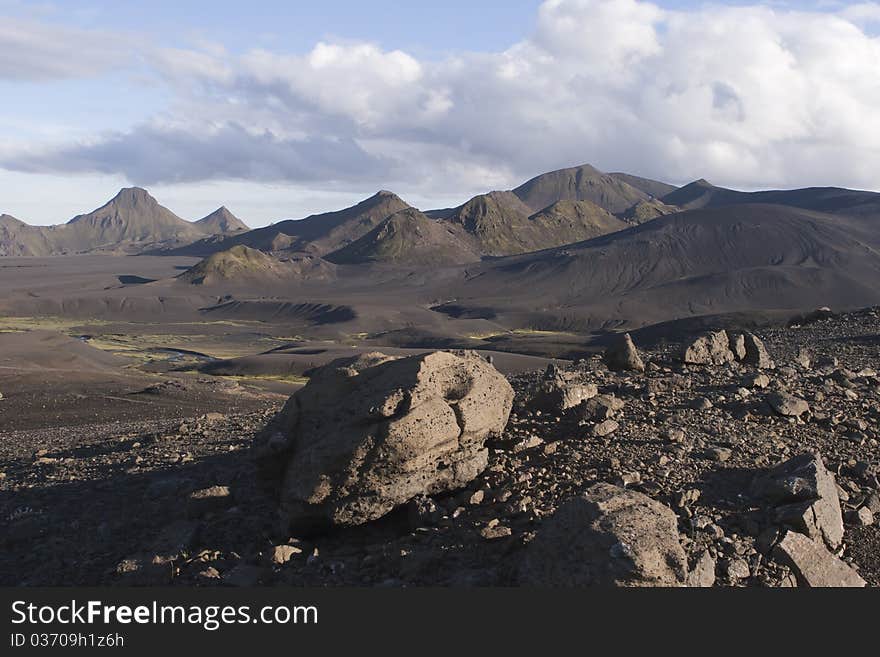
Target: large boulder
710, 349
609, 536
804, 497
368, 434
623, 355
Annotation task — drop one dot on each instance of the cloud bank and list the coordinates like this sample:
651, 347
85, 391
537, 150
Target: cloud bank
745, 96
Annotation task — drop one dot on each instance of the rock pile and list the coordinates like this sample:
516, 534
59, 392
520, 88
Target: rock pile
721, 347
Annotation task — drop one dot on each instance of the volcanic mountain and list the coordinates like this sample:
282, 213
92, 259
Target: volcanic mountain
221, 222
584, 183
20, 239
832, 200
240, 264
410, 238
706, 261
317, 234
131, 222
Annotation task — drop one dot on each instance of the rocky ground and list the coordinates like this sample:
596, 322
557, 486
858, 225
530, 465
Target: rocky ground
179, 501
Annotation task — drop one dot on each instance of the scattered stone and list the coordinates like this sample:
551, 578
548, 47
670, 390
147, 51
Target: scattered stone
674, 436
605, 428
718, 454
495, 531
803, 358
208, 500
608, 536
814, 565
527, 443
738, 569
759, 380
623, 355
598, 408
862, 517
281, 554
787, 405
703, 573
370, 433
422, 512
700, 404
555, 394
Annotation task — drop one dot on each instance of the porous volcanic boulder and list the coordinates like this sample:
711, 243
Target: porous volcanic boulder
710, 349
804, 497
368, 434
623, 355
609, 536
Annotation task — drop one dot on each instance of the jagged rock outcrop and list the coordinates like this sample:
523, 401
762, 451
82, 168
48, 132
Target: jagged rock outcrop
804, 496
370, 433
609, 536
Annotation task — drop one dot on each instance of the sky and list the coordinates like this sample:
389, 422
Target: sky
279, 109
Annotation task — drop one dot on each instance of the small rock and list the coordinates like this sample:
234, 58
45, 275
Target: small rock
703, 573
738, 569
496, 531
700, 404
208, 500
605, 428
862, 517
718, 454
281, 554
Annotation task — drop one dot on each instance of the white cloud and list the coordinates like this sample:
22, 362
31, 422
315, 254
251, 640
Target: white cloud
745, 96
42, 51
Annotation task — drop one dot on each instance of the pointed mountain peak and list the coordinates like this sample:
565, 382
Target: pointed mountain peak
9, 219
221, 221
133, 196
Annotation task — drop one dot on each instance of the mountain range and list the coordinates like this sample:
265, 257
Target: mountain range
573, 248
131, 222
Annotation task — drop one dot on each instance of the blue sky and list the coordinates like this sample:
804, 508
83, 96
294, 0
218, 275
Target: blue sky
278, 109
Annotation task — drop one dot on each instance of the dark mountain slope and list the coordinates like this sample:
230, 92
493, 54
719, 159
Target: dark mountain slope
834, 200
653, 188
719, 260
317, 234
